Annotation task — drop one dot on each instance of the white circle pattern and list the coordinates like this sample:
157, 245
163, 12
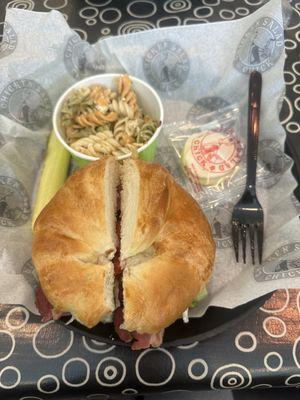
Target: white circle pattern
293, 127
100, 351
137, 365
254, 2
274, 335
233, 371
298, 295
297, 103
110, 20
296, 89
232, 381
192, 364
22, 4
295, 357
91, 22
110, 377
187, 346
189, 21
18, 380
134, 14
246, 349
266, 362
81, 33
129, 391
105, 31
104, 3
55, 6
261, 386
289, 82
290, 44
173, 19
216, 3
227, 14
43, 355
287, 381
242, 11
296, 67
176, 6
135, 26
13, 310
110, 372
281, 308
30, 398
88, 12
85, 380
284, 121
49, 376
208, 13
13, 343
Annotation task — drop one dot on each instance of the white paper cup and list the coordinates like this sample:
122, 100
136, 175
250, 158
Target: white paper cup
147, 99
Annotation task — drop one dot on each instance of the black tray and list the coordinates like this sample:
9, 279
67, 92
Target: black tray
214, 321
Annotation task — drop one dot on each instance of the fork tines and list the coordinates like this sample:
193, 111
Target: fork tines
240, 230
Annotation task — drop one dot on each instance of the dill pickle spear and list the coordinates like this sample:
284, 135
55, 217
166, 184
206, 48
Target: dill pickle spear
53, 174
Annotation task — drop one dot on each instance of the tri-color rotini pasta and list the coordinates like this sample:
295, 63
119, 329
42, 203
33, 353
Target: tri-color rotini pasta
97, 121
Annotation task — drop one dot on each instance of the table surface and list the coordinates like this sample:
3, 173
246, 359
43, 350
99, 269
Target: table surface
261, 351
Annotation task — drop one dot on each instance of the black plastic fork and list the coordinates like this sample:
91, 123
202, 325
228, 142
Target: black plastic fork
248, 214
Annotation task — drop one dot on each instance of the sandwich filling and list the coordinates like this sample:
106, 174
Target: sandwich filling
43, 305
139, 340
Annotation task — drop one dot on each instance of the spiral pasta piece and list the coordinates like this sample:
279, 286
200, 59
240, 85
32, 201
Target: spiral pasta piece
97, 120
125, 91
122, 108
146, 132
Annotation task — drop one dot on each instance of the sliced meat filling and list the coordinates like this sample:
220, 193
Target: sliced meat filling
43, 305
45, 308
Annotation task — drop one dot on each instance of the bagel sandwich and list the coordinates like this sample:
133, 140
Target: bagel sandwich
122, 241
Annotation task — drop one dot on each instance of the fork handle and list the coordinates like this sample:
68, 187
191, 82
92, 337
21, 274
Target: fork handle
255, 84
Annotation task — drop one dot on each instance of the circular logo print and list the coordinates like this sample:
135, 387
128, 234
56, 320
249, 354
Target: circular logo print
283, 263
8, 40
80, 60
215, 152
206, 105
220, 220
14, 202
26, 102
166, 65
260, 47
274, 162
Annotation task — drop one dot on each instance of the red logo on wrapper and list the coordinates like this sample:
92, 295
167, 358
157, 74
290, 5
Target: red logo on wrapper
217, 153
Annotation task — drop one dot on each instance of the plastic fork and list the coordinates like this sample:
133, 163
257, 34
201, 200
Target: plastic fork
248, 214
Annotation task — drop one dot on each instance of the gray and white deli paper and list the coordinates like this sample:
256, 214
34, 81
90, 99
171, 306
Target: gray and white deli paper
41, 56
